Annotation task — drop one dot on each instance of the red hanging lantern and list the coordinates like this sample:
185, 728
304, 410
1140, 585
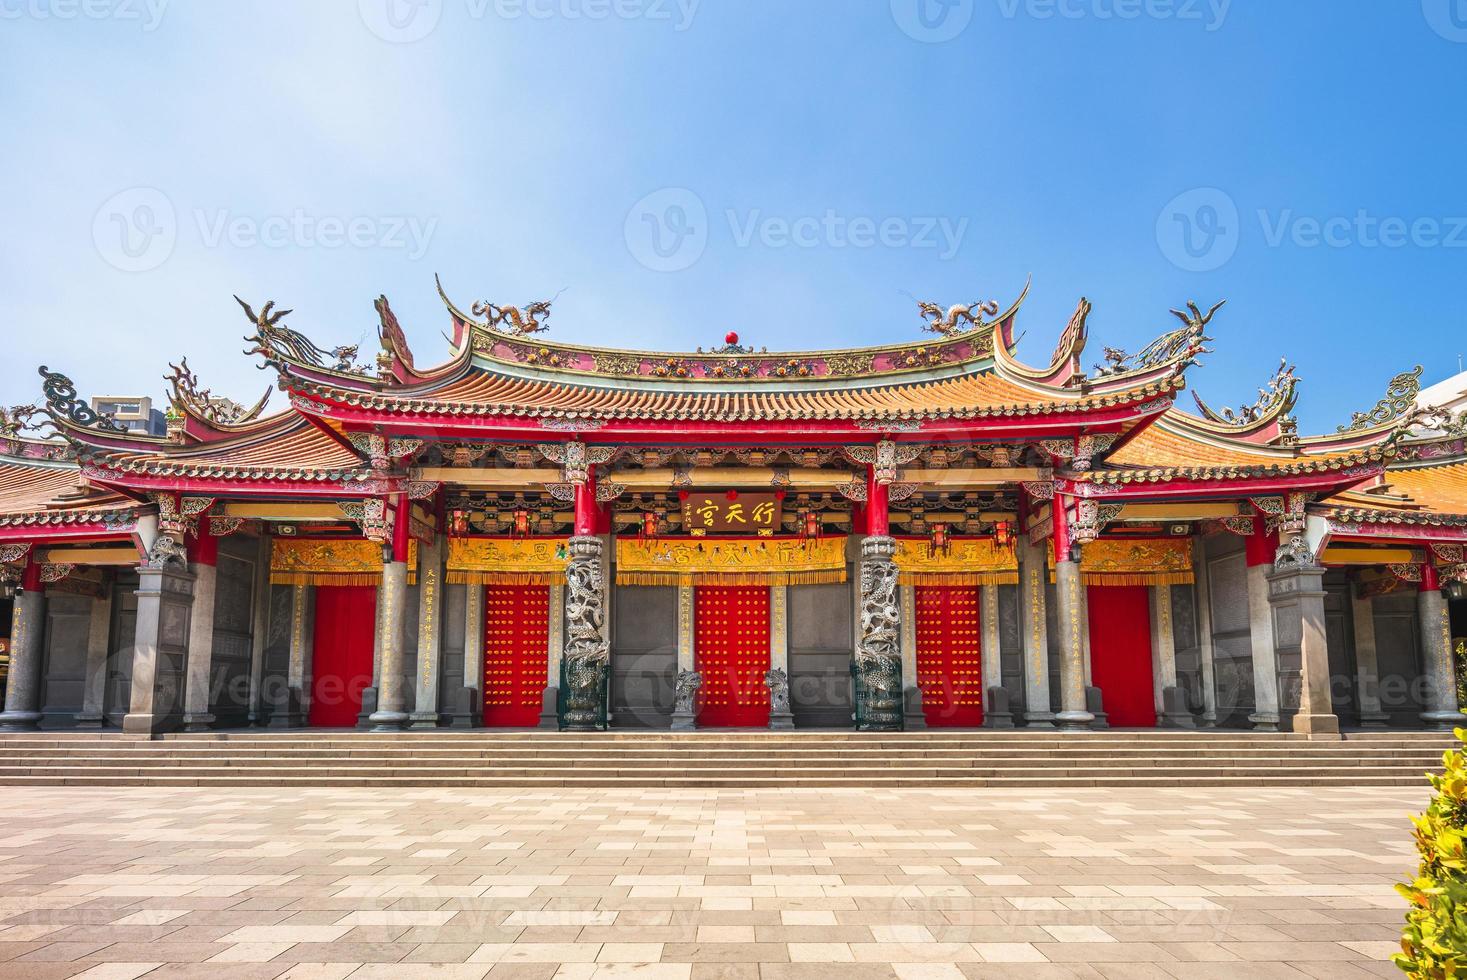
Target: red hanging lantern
649, 525
1003, 534
521, 525
458, 524
938, 541
810, 525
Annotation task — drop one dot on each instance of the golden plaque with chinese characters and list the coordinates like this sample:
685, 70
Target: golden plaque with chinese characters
732, 513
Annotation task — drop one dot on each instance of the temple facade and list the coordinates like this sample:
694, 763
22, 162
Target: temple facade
537, 534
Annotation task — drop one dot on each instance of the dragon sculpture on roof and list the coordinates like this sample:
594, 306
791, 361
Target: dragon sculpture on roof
956, 319
519, 320
187, 396
1276, 396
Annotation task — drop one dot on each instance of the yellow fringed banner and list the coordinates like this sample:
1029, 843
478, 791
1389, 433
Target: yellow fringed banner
974, 561
1135, 561
730, 561
506, 561
313, 561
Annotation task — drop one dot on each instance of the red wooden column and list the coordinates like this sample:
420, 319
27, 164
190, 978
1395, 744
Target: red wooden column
1070, 592
878, 513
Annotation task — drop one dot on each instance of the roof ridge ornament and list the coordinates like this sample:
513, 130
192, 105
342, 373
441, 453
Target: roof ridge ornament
1277, 396
1399, 400
1182, 345
16, 419
186, 396
952, 321
62, 402
514, 320
276, 342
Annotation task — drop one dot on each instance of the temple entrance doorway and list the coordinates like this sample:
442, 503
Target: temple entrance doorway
949, 655
516, 654
341, 654
731, 651
1120, 653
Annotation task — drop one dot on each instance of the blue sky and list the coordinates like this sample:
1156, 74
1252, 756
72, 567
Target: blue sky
794, 170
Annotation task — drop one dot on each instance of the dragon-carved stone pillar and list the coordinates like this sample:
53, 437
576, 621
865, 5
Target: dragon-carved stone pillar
586, 662
877, 667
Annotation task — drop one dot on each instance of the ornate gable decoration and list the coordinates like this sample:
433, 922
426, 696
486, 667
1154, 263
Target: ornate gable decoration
62, 403
1276, 398
1399, 400
186, 396
278, 343
1179, 347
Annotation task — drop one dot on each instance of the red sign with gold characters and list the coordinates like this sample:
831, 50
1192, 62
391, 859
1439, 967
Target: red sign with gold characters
732, 513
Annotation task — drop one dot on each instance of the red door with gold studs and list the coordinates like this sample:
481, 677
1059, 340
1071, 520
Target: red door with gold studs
341, 656
949, 655
516, 653
731, 651
1120, 653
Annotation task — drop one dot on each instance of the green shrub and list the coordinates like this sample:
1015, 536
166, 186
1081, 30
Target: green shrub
1434, 944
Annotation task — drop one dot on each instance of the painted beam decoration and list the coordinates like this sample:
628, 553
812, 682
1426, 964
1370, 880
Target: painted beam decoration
318, 561
730, 561
1136, 561
972, 561
507, 561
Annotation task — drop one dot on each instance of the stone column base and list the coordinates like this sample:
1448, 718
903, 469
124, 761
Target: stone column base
1323, 727
1039, 719
914, 718
1074, 721
86, 721
549, 710
684, 721
195, 722
1443, 721
998, 714
20, 721
781, 721
1264, 722
1175, 713
1374, 719
1095, 705
369, 707
423, 720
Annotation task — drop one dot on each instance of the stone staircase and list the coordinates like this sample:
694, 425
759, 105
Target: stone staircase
729, 759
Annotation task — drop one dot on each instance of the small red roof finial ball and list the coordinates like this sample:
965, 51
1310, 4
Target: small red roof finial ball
731, 337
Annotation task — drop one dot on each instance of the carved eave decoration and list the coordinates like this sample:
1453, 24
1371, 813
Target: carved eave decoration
198, 414
1266, 420
1357, 466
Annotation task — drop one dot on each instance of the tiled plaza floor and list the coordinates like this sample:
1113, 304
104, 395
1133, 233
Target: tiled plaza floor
124, 883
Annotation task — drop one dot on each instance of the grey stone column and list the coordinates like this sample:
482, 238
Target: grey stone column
259, 626
1436, 649
1171, 703
586, 662
165, 605
996, 712
914, 716
474, 630
1070, 592
550, 701
27, 648
1367, 672
292, 713
689, 680
94, 685
196, 716
1034, 630
1265, 717
1206, 652
430, 634
778, 678
877, 667
1296, 594
391, 696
